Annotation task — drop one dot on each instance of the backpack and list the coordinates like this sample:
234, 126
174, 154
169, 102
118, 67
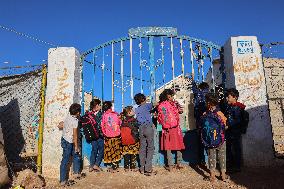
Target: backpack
244, 121
168, 115
88, 123
111, 124
212, 130
129, 131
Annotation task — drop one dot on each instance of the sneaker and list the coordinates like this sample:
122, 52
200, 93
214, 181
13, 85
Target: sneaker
77, 176
91, 169
179, 166
63, 183
169, 168
97, 168
150, 173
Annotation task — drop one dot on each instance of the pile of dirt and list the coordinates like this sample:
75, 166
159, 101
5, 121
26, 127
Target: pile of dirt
28, 180
4, 178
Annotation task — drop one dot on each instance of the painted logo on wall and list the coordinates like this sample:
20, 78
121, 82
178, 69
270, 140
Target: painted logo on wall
244, 47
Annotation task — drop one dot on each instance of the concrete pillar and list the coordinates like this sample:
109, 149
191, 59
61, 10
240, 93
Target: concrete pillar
63, 89
244, 70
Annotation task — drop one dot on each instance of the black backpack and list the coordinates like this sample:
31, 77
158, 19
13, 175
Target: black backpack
88, 124
244, 121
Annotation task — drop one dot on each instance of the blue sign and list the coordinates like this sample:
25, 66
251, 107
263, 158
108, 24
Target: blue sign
244, 47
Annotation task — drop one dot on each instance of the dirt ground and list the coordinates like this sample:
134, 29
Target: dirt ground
189, 177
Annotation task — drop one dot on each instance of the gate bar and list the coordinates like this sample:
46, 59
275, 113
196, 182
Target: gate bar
121, 71
152, 68
191, 60
112, 74
140, 59
83, 91
94, 77
131, 70
212, 67
173, 62
163, 61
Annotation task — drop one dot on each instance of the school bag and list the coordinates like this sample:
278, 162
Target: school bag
168, 115
88, 124
244, 121
129, 131
111, 124
212, 130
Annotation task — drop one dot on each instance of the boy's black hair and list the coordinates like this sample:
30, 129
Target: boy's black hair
94, 102
212, 99
139, 98
107, 105
233, 92
74, 109
203, 86
164, 95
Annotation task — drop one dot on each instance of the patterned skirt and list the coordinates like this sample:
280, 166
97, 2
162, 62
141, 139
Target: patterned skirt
112, 150
131, 149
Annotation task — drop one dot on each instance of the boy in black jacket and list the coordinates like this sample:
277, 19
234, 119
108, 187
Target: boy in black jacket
234, 112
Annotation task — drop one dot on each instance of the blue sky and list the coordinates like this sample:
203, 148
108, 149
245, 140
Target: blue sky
84, 24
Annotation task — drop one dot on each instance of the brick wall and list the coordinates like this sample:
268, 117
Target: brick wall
274, 74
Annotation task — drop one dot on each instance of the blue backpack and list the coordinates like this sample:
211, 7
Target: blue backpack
212, 130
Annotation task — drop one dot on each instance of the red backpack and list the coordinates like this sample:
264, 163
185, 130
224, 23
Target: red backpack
129, 132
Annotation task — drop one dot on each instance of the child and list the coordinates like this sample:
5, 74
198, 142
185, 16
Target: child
199, 108
237, 122
168, 117
91, 124
146, 134
112, 142
130, 138
213, 136
69, 143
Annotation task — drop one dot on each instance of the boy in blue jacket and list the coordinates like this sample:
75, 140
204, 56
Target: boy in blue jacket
236, 120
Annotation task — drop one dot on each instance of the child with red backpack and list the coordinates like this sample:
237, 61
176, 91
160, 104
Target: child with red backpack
130, 138
91, 126
213, 124
112, 141
168, 117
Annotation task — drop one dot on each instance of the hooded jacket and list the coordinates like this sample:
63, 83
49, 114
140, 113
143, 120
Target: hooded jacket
234, 117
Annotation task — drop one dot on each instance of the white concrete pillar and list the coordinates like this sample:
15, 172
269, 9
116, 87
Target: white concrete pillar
244, 70
63, 89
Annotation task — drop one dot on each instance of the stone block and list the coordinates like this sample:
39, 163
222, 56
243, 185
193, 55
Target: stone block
278, 139
273, 62
279, 147
275, 94
279, 154
277, 71
274, 105
267, 72
276, 117
278, 130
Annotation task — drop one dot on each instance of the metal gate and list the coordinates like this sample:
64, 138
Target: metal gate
147, 61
